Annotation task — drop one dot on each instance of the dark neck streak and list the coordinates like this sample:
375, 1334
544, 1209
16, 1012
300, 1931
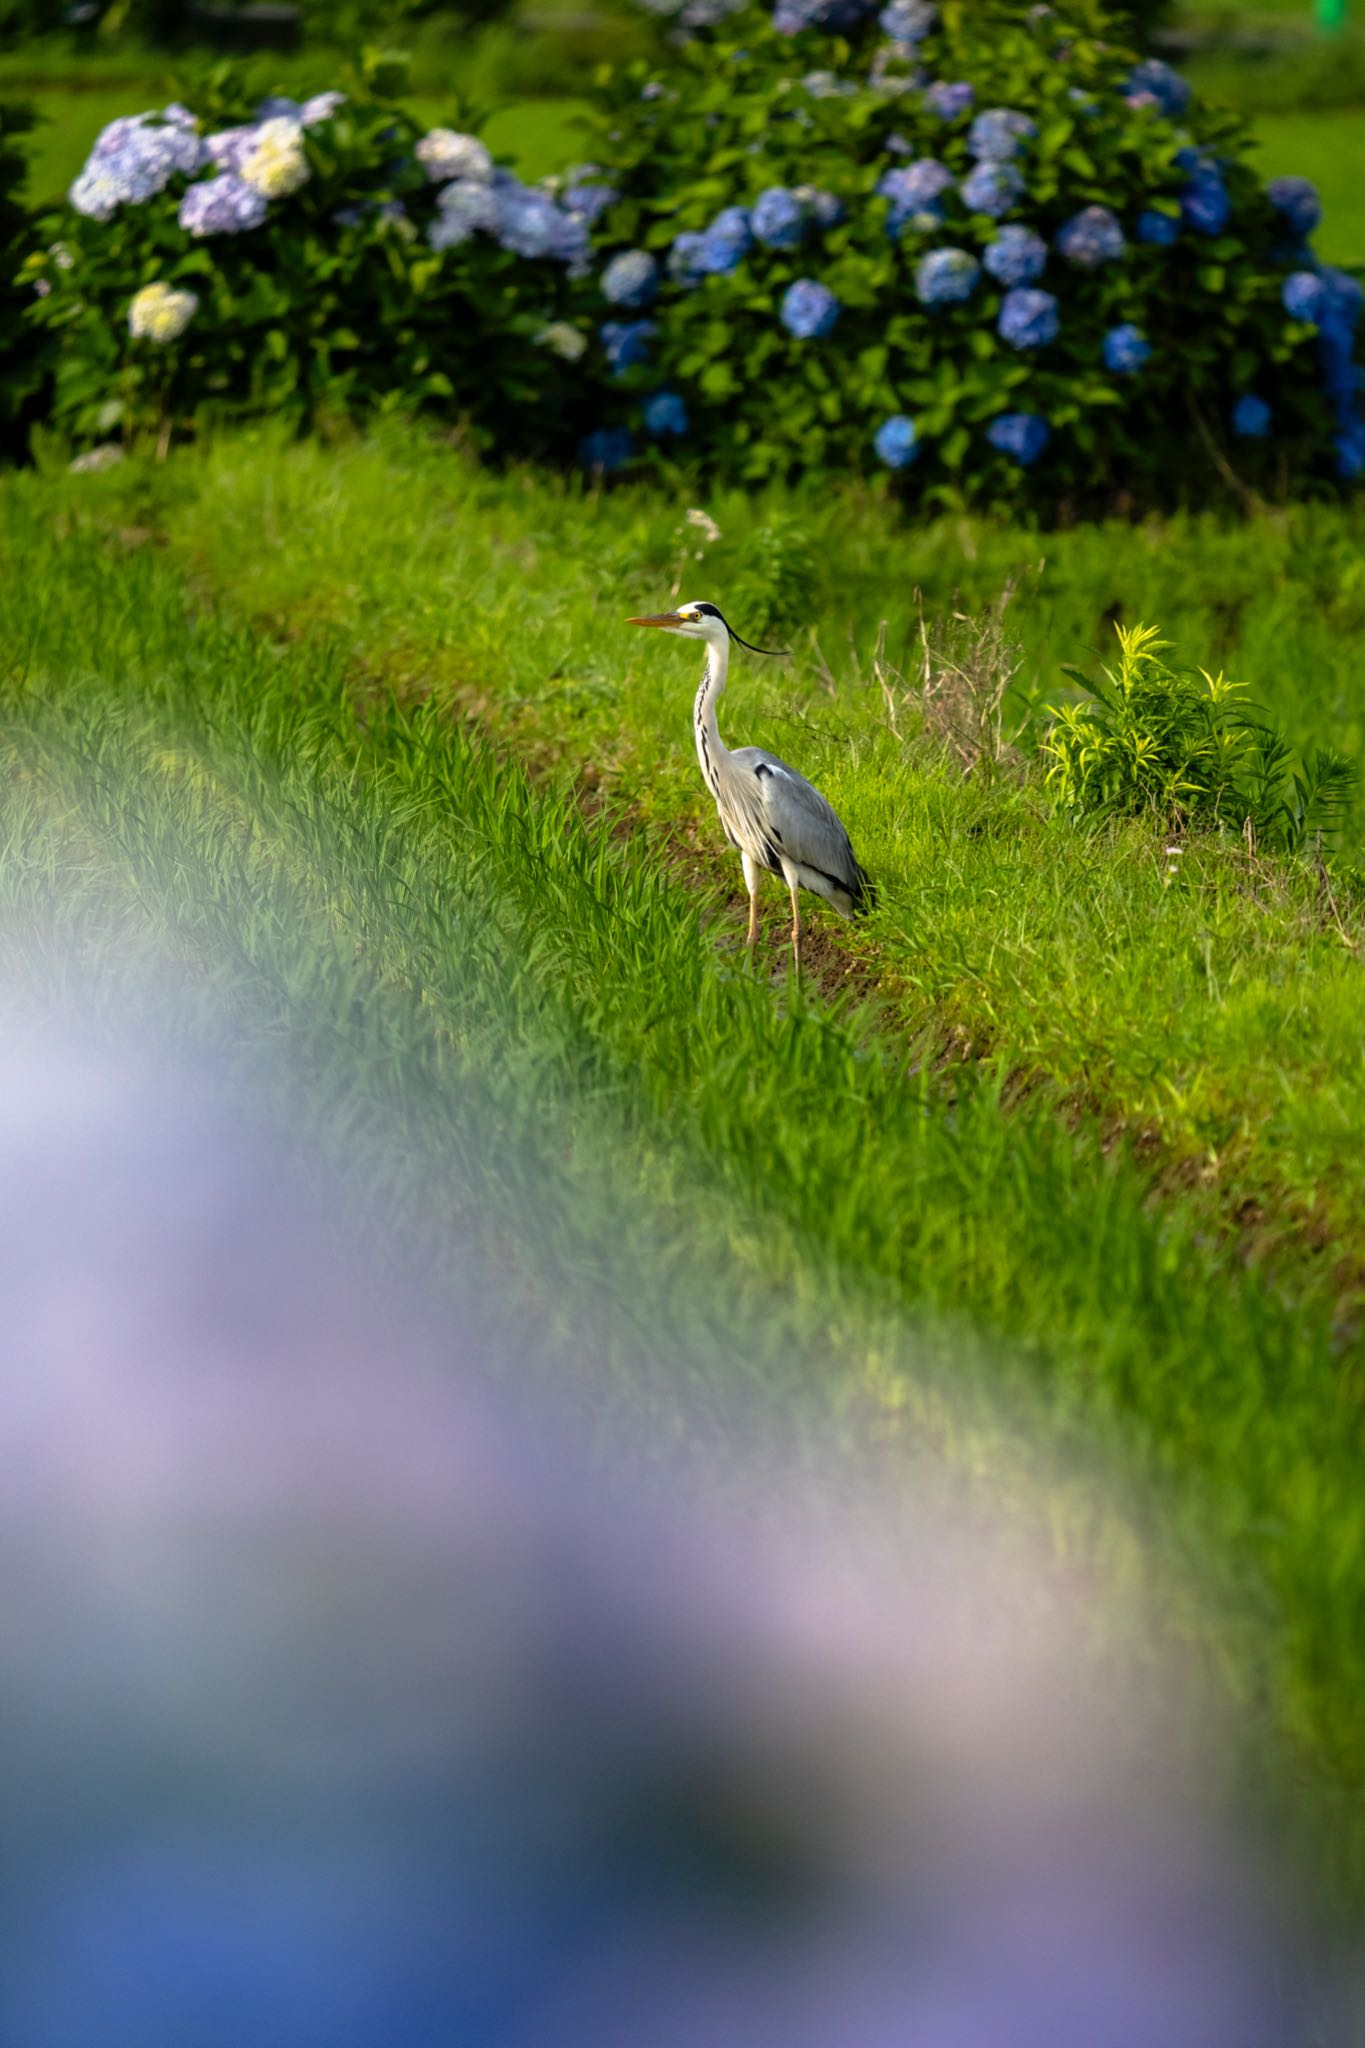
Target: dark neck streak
711, 749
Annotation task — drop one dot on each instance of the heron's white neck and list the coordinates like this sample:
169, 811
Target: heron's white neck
711, 748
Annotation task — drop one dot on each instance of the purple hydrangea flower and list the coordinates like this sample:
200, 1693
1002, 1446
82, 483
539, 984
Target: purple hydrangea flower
996, 135
1159, 230
945, 277
466, 205
665, 414
1156, 81
225, 205
1251, 417
1028, 318
231, 147
778, 218
631, 279
914, 190
1126, 349
1091, 237
809, 310
896, 441
948, 102
992, 188
133, 159
1016, 256
907, 21
1303, 295
726, 242
1297, 199
529, 222
590, 201
320, 107
606, 449
627, 343
1020, 435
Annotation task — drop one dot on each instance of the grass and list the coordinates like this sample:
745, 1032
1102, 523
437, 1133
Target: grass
524, 1018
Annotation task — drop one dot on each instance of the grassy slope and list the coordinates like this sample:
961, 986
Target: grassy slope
1226, 1012
505, 1013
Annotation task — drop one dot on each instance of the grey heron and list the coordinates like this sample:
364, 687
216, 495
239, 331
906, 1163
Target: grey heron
775, 818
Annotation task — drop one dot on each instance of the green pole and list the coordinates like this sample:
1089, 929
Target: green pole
1331, 15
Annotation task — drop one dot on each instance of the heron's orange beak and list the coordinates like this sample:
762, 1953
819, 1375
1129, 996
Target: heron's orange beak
658, 619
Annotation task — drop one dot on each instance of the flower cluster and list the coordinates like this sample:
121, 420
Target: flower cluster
1021, 435
809, 310
992, 188
161, 314
948, 102
1204, 202
946, 277
896, 441
915, 192
1017, 256
275, 164
524, 220
1296, 200
631, 279
134, 158
445, 155
1125, 349
1028, 318
225, 205
907, 21
626, 343
1091, 237
998, 135
1154, 84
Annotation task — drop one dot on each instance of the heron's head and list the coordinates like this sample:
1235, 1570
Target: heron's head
699, 621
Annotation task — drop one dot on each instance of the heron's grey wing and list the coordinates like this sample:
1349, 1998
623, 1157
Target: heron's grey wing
792, 821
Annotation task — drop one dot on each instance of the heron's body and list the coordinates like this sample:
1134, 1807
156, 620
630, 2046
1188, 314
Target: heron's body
776, 820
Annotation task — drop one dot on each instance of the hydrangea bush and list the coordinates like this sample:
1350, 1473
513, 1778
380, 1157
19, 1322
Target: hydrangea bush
977, 244
322, 258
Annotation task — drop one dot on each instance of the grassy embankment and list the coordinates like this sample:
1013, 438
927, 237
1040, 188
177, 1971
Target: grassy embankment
510, 1011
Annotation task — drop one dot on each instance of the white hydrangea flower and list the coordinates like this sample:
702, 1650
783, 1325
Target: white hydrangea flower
161, 314
443, 154
276, 164
562, 340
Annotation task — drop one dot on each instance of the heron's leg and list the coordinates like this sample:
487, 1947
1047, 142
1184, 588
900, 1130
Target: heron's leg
751, 873
796, 924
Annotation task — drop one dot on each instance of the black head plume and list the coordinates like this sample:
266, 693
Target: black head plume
713, 612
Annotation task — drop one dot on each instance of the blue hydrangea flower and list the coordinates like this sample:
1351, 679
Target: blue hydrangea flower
945, 277
684, 258
1126, 349
1159, 83
631, 279
133, 159
606, 449
1021, 435
824, 209
1297, 199
1016, 256
530, 223
914, 191
665, 414
627, 343
1303, 295
226, 205
834, 16
571, 242
996, 136
1160, 230
896, 441
948, 102
1251, 417
992, 188
231, 147
907, 21
778, 218
1204, 203
726, 242
465, 205
809, 310
590, 201
1028, 318
1091, 237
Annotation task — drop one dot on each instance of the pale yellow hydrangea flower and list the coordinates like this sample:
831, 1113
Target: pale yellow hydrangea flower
160, 313
276, 165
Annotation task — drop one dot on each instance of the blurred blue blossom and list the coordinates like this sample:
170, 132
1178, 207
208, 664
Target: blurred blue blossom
1338, 319
945, 277
896, 441
1016, 256
992, 188
530, 224
1160, 230
225, 205
134, 158
907, 21
1091, 237
1303, 295
606, 449
631, 279
665, 414
1204, 203
997, 134
726, 242
1251, 417
1028, 318
914, 190
627, 343
1158, 82
835, 16
589, 200
947, 102
778, 218
684, 258
1126, 348
1022, 435
463, 207
1297, 199
823, 207
809, 310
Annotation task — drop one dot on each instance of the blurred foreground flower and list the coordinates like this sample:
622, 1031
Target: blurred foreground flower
161, 314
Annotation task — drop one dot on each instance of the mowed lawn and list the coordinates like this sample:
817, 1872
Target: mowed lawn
237, 712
